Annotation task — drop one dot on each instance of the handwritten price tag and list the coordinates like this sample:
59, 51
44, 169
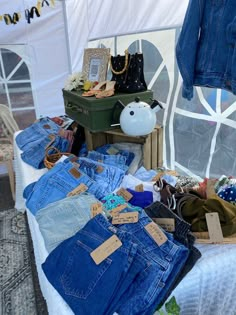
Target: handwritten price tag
96, 208
128, 217
156, 233
106, 249
124, 193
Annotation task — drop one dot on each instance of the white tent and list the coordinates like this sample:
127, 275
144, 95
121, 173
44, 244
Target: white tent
198, 134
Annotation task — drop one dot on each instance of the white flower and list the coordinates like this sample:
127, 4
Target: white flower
74, 81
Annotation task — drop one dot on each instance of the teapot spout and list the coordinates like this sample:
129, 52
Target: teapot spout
156, 106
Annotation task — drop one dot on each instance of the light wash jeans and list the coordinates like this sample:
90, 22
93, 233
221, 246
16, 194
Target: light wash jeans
62, 219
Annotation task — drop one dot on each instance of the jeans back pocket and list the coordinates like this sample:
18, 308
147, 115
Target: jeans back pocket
81, 274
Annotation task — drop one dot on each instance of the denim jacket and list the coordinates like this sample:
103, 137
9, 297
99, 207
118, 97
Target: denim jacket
206, 50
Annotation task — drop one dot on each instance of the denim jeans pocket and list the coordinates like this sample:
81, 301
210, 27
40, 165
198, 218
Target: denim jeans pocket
54, 189
75, 280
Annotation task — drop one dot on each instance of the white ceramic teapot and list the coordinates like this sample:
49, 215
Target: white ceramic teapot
139, 118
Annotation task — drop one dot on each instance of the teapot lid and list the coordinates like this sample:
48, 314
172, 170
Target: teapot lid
137, 103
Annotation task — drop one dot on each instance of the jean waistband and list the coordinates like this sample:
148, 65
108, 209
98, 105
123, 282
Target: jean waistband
105, 224
159, 210
130, 247
142, 222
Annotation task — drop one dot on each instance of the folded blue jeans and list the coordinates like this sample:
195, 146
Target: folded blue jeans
115, 160
41, 128
182, 234
56, 184
108, 176
166, 261
35, 154
89, 288
128, 155
64, 218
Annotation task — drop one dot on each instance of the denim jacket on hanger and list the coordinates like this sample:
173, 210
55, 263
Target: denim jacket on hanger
206, 50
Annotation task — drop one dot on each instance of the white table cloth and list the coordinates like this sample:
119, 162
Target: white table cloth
209, 288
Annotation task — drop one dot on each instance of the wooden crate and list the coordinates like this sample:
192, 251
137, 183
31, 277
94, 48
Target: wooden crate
203, 238
152, 143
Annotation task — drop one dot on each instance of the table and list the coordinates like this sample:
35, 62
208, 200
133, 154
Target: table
209, 288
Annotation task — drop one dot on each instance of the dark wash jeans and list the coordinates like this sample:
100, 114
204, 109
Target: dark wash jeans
182, 234
154, 282
89, 288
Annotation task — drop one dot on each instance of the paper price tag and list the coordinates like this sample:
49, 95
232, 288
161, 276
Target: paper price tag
95, 208
128, 217
210, 190
124, 193
112, 151
156, 233
139, 188
167, 224
78, 190
105, 249
118, 209
214, 227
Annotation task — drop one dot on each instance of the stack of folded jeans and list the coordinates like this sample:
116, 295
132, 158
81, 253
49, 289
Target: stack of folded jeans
34, 140
181, 233
131, 280
57, 183
110, 149
115, 160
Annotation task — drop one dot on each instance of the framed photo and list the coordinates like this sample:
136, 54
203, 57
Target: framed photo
95, 64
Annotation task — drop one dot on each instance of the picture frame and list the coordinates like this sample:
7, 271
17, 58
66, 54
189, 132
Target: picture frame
95, 64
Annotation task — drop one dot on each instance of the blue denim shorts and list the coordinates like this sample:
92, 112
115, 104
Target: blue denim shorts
62, 219
41, 128
35, 154
107, 176
56, 184
86, 287
165, 263
115, 160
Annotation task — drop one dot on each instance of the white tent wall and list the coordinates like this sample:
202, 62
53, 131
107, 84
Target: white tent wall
46, 53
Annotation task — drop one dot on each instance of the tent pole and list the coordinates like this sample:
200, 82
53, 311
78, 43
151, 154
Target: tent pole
67, 36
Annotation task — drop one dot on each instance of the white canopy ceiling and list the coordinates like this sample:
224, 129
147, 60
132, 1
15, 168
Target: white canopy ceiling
89, 20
